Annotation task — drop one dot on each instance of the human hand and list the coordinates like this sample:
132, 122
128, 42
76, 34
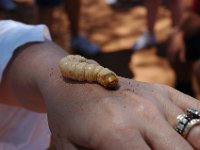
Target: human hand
136, 116
176, 47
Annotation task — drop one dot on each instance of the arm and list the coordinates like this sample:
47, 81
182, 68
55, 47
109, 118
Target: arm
90, 116
19, 86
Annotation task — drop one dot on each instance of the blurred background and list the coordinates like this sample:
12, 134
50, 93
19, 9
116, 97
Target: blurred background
114, 26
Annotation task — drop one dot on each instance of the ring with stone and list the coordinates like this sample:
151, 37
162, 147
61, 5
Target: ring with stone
186, 121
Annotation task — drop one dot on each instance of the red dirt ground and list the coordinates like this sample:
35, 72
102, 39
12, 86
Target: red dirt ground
115, 31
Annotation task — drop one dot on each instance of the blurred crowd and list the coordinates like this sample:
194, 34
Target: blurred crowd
181, 44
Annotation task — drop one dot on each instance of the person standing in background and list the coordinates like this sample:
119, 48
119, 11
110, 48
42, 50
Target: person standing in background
79, 44
148, 38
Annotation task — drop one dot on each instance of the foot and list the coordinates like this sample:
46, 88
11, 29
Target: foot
83, 46
144, 41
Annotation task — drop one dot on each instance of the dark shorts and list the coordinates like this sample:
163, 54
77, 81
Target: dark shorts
48, 3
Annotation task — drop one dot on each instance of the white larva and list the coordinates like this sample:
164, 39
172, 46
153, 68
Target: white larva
79, 68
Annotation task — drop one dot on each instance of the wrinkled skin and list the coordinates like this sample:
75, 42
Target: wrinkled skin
136, 116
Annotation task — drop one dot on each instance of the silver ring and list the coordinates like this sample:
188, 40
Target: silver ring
186, 121
183, 120
193, 113
191, 124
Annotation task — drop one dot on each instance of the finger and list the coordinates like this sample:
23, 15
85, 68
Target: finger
192, 137
182, 100
171, 112
169, 109
164, 137
123, 140
63, 144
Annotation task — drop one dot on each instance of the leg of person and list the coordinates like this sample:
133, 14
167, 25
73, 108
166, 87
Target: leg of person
148, 39
78, 43
45, 11
72, 8
45, 16
177, 8
152, 10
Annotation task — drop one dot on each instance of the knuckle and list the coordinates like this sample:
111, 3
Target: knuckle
147, 110
122, 129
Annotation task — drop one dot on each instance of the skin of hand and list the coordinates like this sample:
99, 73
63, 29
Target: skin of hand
176, 47
136, 116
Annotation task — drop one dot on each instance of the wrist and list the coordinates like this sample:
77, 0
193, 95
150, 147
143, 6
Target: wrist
47, 73
30, 67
